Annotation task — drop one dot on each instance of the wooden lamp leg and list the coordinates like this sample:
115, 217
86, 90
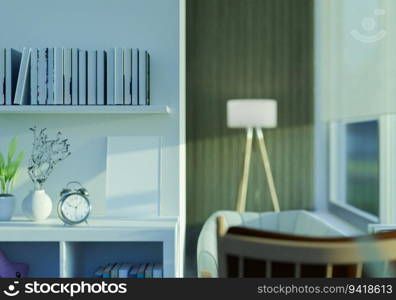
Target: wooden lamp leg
241, 204
267, 167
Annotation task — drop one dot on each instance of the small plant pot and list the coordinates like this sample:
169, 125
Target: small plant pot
7, 206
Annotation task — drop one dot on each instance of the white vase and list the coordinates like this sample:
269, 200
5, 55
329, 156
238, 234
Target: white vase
7, 205
37, 206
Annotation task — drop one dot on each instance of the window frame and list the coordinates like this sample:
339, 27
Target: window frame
387, 171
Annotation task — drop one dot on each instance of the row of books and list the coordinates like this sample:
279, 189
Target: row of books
128, 270
71, 76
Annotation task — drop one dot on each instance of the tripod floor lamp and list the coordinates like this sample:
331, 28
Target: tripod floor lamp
253, 114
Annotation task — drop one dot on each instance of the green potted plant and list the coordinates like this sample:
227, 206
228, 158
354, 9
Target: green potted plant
9, 166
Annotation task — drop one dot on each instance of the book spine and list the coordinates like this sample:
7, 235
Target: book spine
122, 273
67, 70
75, 71
33, 76
42, 76
8, 77
142, 78
2, 76
115, 271
107, 270
127, 76
118, 77
148, 78
141, 271
82, 77
100, 81
148, 273
110, 76
91, 77
135, 77
124, 270
133, 272
157, 271
16, 58
58, 86
99, 272
50, 72
20, 94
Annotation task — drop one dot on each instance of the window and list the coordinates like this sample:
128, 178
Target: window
354, 166
362, 166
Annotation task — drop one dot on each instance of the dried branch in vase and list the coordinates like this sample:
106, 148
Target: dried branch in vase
46, 154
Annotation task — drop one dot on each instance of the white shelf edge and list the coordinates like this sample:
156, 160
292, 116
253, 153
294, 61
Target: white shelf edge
94, 222
84, 109
96, 230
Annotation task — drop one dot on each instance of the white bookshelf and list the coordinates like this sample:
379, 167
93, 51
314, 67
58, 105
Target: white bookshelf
54, 250
86, 109
76, 251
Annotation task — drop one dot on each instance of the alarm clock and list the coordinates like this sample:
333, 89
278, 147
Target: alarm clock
74, 206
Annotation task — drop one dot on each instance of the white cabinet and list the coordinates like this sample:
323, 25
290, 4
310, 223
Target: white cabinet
55, 250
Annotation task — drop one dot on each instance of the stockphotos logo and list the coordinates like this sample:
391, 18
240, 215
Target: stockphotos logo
370, 31
12, 290
70, 289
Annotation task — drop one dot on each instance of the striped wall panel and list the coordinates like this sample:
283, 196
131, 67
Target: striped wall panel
248, 49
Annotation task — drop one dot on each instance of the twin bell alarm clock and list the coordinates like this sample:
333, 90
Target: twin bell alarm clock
74, 206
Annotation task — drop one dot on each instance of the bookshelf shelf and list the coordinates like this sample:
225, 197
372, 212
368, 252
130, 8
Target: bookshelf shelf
54, 250
63, 109
67, 246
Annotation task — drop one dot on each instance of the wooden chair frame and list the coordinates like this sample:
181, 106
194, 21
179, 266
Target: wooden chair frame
321, 251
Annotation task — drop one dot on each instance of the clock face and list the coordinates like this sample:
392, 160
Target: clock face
75, 208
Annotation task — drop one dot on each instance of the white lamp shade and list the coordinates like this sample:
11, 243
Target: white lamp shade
249, 113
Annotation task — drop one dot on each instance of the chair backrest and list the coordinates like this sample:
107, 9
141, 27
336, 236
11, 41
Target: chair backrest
244, 252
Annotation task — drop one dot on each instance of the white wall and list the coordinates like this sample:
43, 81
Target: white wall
354, 75
149, 24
